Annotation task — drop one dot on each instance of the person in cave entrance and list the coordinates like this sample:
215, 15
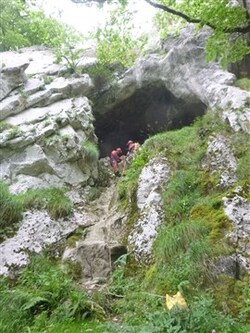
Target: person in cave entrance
132, 148
115, 159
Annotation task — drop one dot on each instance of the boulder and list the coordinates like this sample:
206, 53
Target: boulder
220, 159
45, 143
153, 178
237, 209
37, 231
11, 76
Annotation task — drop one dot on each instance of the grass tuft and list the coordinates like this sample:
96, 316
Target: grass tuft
10, 208
53, 200
91, 151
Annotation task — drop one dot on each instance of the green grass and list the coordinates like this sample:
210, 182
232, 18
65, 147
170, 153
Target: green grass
91, 151
243, 84
53, 200
74, 327
10, 210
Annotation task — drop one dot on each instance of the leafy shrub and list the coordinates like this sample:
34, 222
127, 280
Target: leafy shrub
101, 74
71, 54
91, 151
20, 26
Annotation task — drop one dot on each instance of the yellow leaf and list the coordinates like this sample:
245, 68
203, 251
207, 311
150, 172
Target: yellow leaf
175, 300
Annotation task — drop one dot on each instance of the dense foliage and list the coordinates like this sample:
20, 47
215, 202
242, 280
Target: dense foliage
116, 42
229, 23
20, 26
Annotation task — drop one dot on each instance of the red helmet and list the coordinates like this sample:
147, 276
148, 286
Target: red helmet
129, 142
119, 150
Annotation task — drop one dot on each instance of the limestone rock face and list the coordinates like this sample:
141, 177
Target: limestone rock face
183, 71
237, 209
152, 178
46, 119
37, 231
11, 77
220, 158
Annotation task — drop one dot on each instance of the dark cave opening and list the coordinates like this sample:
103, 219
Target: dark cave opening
147, 112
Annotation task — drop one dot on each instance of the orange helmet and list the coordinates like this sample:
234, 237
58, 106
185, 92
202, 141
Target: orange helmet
119, 150
129, 142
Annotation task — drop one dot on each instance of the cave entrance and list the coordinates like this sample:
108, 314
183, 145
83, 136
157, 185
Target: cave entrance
148, 111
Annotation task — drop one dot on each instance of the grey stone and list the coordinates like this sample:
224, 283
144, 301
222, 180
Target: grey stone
151, 182
33, 85
11, 75
94, 258
220, 159
237, 210
37, 231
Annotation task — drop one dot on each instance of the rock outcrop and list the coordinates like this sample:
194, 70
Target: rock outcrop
46, 120
101, 246
220, 159
184, 73
237, 209
153, 178
37, 231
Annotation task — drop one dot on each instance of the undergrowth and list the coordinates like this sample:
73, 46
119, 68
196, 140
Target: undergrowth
43, 299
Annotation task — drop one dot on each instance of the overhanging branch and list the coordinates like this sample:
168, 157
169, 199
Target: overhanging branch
189, 19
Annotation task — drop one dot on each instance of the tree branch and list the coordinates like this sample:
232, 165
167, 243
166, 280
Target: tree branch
243, 30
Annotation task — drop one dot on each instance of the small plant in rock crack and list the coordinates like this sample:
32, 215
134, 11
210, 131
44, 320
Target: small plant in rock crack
13, 133
23, 94
47, 79
72, 56
4, 126
91, 150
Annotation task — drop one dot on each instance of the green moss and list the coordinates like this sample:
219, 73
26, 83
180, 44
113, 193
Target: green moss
78, 234
73, 269
243, 84
208, 181
13, 132
234, 295
4, 126
211, 212
93, 194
